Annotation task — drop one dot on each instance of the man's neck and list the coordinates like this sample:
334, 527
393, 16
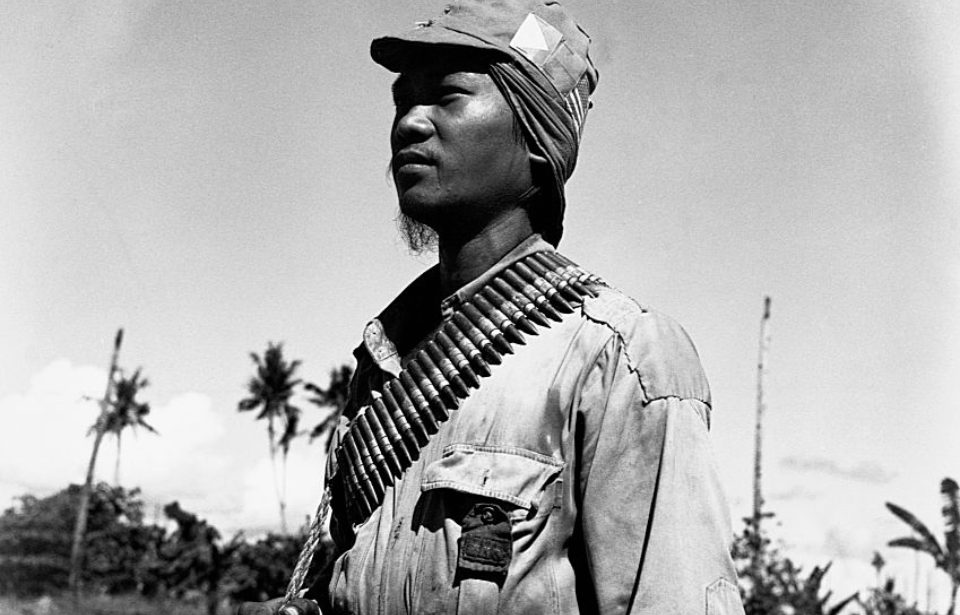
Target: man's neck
464, 259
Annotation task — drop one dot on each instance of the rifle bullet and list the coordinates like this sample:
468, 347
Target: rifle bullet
500, 320
510, 309
396, 397
545, 287
350, 480
531, 292
521, 300
486, 326
404, 431
590, 277
576, 277
463, 342
429, 391
365, 481
439, 381
419, 402
377, 455
457, 357
394, 430
392, 447
476, 336
545, 269
447, 367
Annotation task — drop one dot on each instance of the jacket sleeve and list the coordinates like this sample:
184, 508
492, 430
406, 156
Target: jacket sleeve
654, 521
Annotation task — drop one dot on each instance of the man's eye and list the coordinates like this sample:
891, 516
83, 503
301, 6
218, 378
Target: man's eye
449, 95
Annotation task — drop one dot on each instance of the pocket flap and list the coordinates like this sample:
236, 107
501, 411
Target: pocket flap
507, 473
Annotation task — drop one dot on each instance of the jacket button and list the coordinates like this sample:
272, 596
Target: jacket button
486, 515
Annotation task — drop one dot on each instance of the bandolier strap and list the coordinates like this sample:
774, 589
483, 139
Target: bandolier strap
385, 437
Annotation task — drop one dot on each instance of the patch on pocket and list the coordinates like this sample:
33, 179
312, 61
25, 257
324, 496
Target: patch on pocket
723, 598
485, 544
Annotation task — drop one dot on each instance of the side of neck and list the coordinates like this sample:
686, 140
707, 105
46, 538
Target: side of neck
463, 260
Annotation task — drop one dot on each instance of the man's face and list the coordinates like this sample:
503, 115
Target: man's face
457, 159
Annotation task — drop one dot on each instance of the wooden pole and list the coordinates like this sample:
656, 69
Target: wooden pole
76, 551
758, 432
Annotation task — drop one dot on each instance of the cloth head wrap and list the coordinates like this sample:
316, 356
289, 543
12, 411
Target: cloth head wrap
540, 64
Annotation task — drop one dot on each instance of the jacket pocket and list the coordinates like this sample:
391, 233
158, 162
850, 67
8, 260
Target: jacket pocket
723, 598
497, 501
513, 475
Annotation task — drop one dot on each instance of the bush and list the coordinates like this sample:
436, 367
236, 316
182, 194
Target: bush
36, 534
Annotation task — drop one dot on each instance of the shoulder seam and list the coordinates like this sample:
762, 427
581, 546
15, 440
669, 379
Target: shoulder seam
623, 347
681, 398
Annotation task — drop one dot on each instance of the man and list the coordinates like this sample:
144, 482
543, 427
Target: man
522, 438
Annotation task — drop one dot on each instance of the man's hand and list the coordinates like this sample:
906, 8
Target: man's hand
298, 606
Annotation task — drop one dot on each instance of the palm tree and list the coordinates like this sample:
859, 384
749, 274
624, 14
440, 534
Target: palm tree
270, 391
947, 556
126, 411
334, 397
99, 428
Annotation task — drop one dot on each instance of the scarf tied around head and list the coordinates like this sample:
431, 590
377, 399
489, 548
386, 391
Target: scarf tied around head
552, 132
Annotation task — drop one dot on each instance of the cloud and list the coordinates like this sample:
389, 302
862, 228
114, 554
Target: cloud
795, 493
43, 436
46, 441
200, 457
866, 472
259, 512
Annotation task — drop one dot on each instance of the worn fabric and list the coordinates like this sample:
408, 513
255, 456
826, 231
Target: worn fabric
552, 131
577, 479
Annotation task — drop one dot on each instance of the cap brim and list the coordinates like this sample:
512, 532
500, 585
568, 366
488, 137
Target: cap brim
396, 52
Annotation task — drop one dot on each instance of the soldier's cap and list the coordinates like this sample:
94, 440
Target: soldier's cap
540, 33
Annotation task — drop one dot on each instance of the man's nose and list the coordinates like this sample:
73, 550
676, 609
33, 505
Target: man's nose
413, 125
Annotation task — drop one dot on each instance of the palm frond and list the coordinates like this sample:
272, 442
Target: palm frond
335, 397
918, 527
837, 608
912, 542
328, 423
124, 409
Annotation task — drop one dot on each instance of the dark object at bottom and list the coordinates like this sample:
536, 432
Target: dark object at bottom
486, 544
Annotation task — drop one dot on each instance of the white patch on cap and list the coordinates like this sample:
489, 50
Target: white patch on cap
536, 39
529, 35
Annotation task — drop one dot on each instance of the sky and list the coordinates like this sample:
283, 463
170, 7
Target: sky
212, 176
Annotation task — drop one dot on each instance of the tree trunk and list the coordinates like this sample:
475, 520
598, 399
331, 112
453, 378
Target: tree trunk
116, 465
213, 599
272, 434
76, 550
758, 434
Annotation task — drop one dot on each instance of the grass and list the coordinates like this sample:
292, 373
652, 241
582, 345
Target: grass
101, 605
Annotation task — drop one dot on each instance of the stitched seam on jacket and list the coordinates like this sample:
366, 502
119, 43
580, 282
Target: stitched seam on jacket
630, 365
623, 347
705, 417
681, 398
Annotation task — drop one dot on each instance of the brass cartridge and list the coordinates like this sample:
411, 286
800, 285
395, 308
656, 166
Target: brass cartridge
447, 367
451, 350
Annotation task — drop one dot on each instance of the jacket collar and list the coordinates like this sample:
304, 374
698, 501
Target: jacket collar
419, 309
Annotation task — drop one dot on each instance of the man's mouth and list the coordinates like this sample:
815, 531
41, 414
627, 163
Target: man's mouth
409, 158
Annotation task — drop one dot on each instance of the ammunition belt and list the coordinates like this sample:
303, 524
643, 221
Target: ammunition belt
386, 437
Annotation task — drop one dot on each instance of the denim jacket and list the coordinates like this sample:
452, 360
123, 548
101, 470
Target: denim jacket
577, 479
